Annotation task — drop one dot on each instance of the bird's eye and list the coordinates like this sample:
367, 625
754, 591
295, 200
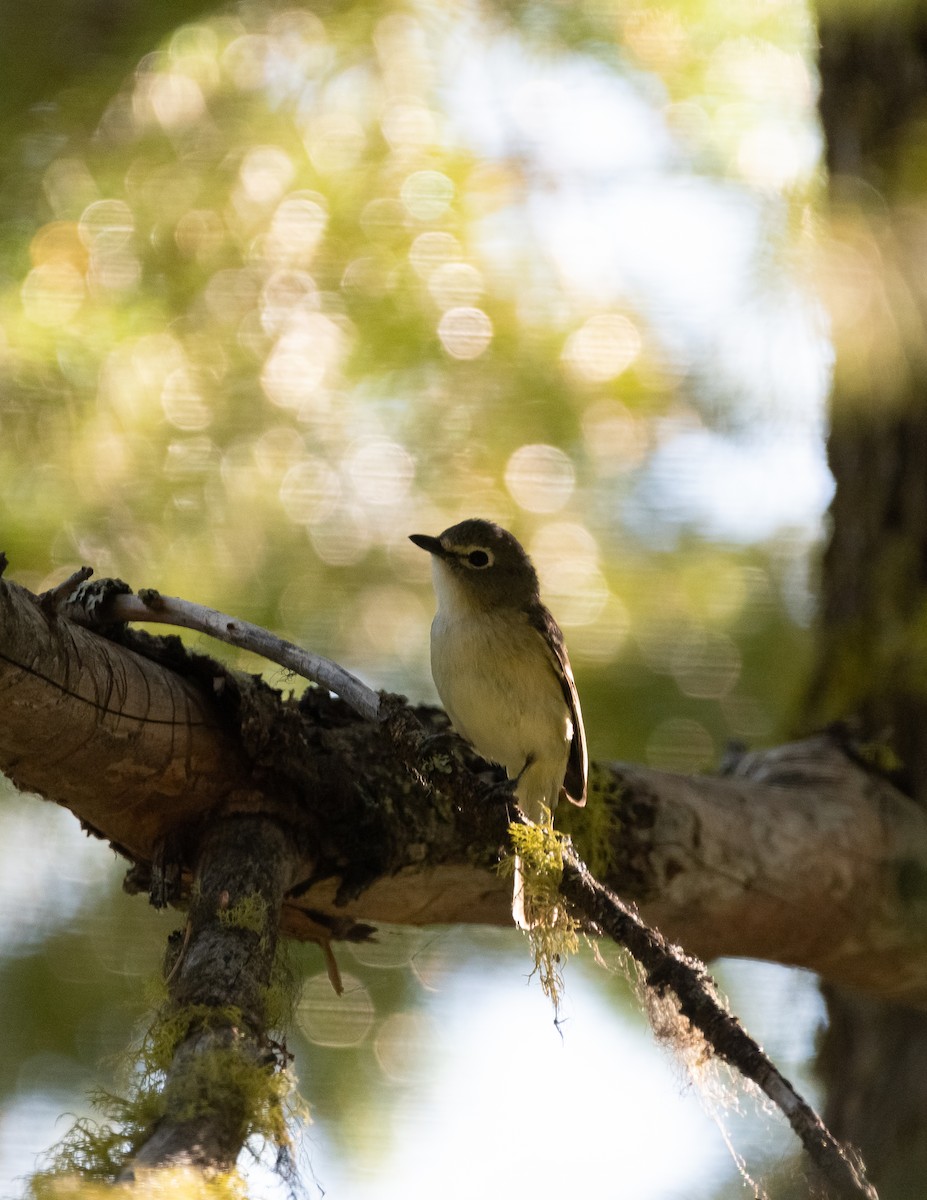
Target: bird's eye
478, 558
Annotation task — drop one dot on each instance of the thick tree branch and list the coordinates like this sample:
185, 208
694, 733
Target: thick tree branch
134, 750
799, 855
354, 824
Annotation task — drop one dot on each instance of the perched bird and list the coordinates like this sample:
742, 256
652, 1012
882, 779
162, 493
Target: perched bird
501, 669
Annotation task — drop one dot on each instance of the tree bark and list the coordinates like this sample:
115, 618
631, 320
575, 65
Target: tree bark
222, 975
140, 750
872, 651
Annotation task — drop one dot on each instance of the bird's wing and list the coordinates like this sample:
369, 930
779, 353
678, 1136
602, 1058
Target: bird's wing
574, 782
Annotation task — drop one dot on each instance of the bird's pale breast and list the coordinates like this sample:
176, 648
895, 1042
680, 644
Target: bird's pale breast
500, 689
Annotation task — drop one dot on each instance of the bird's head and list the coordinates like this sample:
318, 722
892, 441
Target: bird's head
480, 563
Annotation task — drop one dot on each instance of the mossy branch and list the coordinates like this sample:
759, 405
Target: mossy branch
227, 927
553, 930
207, 1077
671, 974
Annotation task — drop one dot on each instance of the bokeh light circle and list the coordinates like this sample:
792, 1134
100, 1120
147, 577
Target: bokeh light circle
540, 478
427, 195
465, 332
602, 348
328, 1019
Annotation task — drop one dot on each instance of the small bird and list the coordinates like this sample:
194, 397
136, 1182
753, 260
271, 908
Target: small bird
501, 668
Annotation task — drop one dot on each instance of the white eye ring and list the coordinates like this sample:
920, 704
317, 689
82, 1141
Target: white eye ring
478, 558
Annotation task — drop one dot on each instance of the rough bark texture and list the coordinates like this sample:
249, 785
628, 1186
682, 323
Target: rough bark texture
798, 856
874, 586
113, 722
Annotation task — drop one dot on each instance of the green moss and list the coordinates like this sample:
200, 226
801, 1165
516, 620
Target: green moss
225, 1079
553, 932
250, 912
596, 827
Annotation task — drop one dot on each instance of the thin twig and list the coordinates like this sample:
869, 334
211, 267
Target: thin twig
52, 600
151, 606
187, 931
667, 968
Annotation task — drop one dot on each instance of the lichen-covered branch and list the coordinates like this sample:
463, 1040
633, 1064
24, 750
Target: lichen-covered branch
668, 971
350, 820
220, 1083
799, 854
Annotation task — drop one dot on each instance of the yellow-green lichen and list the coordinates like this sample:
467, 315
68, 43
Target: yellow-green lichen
552, 932
174, 1025
279, 997
97, 1151
879, 757
438, 764
225, 1079
596, 828
222, 1079
249, 913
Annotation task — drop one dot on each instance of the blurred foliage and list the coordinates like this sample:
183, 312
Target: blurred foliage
47, 47
288, 300
280, 286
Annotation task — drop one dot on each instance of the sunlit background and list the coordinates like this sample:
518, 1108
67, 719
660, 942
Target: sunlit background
311, 281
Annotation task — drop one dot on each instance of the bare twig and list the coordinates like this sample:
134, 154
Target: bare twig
52, 600
150, 606
667, 968
187, 931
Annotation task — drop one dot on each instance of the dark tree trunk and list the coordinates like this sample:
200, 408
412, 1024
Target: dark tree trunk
873, 648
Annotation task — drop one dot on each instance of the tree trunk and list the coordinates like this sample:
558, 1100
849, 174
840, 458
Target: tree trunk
873, 651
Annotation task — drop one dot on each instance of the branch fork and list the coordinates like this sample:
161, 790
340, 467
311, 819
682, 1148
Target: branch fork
101, 605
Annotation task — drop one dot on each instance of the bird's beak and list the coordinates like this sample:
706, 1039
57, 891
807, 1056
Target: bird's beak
424, 542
